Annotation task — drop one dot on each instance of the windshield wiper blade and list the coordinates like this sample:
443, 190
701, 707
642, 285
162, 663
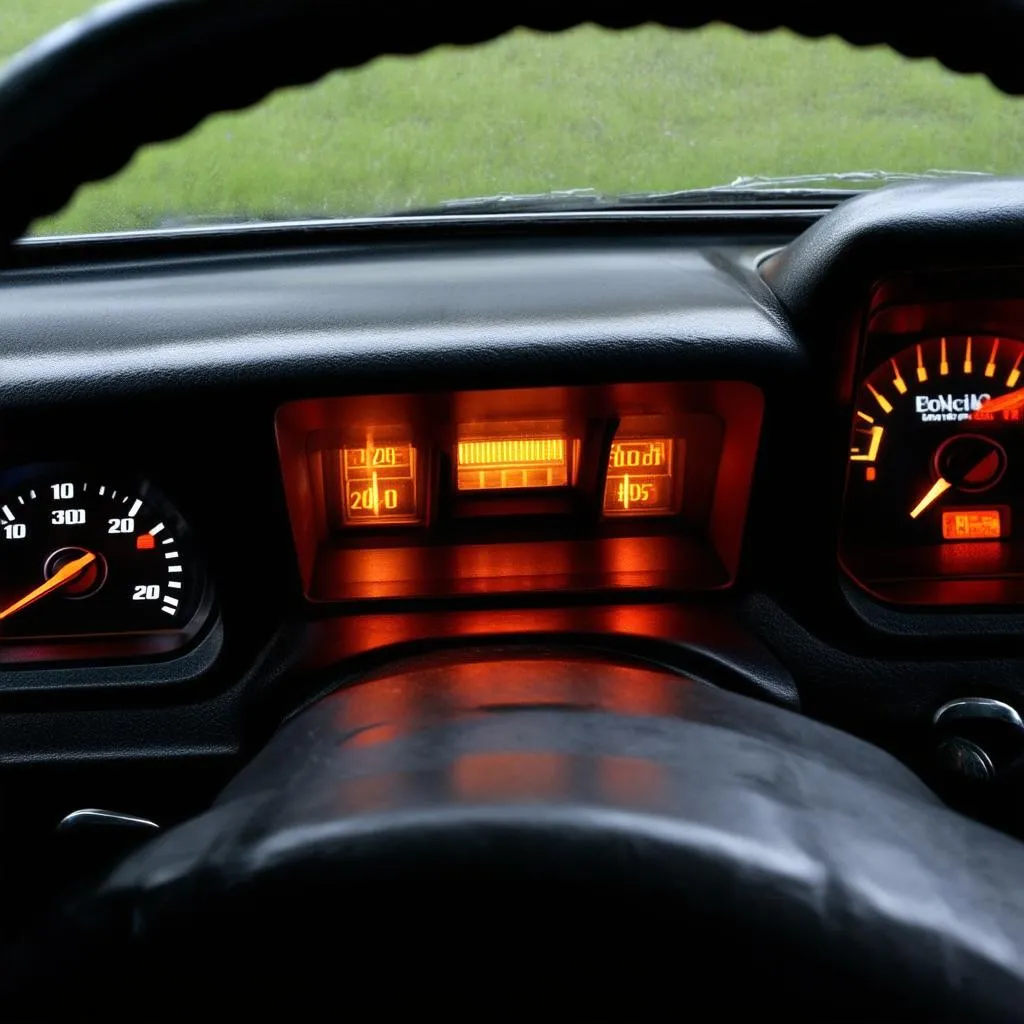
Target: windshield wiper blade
583, 199
804, 190
847, 180
514, 202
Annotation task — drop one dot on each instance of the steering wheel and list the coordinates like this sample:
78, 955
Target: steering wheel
522, 826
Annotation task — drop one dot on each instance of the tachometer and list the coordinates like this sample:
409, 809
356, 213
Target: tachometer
86, 555
935, 486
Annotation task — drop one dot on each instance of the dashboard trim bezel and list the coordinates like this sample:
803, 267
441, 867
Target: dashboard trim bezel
174, 668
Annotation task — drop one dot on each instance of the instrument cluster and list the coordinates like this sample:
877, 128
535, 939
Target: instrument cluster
94, 564
640, 487
934, 506
487, 492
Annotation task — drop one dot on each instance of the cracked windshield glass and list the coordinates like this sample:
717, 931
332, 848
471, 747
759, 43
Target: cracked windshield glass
570, 120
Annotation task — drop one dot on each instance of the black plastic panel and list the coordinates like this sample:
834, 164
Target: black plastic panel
364, 321
173, 368
197, 353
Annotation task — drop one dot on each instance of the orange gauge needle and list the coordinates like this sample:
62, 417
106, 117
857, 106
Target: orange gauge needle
936, 490
57, 580
1011, 400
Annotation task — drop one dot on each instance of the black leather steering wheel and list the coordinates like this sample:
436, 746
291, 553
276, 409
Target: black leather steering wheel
552, 824
524, 828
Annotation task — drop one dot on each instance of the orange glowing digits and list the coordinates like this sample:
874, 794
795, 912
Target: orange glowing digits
972, 524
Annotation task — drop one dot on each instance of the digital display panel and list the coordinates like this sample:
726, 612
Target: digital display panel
512, 463
972, 524
641, 477
379, 485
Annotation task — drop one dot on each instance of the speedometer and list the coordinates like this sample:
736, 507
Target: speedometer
935, 484
88, 555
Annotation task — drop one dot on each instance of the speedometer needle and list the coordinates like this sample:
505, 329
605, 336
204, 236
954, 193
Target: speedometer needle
936, 491
63, 575
1004, 403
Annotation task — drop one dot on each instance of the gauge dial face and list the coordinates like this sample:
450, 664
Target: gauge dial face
87, 555
935, 484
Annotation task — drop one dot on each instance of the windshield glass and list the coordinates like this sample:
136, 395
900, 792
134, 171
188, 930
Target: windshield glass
614, 112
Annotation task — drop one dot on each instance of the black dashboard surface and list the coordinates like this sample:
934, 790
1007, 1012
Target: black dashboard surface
314, 321
169, 355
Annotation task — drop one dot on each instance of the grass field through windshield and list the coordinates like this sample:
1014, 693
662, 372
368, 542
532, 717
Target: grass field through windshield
646, 109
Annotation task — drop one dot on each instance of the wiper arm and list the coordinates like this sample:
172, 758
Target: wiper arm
849, 180
797, 190
581, 200
511, 202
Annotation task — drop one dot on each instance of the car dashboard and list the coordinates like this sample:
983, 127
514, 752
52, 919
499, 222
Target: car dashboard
774, 449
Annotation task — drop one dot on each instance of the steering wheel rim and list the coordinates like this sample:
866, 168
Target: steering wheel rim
72, 116
625, 823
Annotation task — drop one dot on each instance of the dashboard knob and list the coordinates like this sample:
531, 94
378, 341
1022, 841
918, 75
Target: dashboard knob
92, 819
976, 738
94, 840
963, 760
978, 709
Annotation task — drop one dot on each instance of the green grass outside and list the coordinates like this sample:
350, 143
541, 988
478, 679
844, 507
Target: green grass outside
618, 112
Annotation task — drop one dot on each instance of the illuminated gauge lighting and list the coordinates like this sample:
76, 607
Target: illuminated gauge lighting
640, 478
936, 459
512, 463
972, 524
379, 485
85, 555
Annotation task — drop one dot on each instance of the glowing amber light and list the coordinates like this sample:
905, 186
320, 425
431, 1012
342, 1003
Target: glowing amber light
972, 524
508, 463
640, 477
379, 484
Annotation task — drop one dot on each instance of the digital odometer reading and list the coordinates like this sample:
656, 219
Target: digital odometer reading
87, 556
379, 484
641, 478
972, 524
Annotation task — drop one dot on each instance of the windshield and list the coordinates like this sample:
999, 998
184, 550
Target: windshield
646, 110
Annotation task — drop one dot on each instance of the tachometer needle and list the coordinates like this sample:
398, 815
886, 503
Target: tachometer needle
63, 575
1004, 403
936, 490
